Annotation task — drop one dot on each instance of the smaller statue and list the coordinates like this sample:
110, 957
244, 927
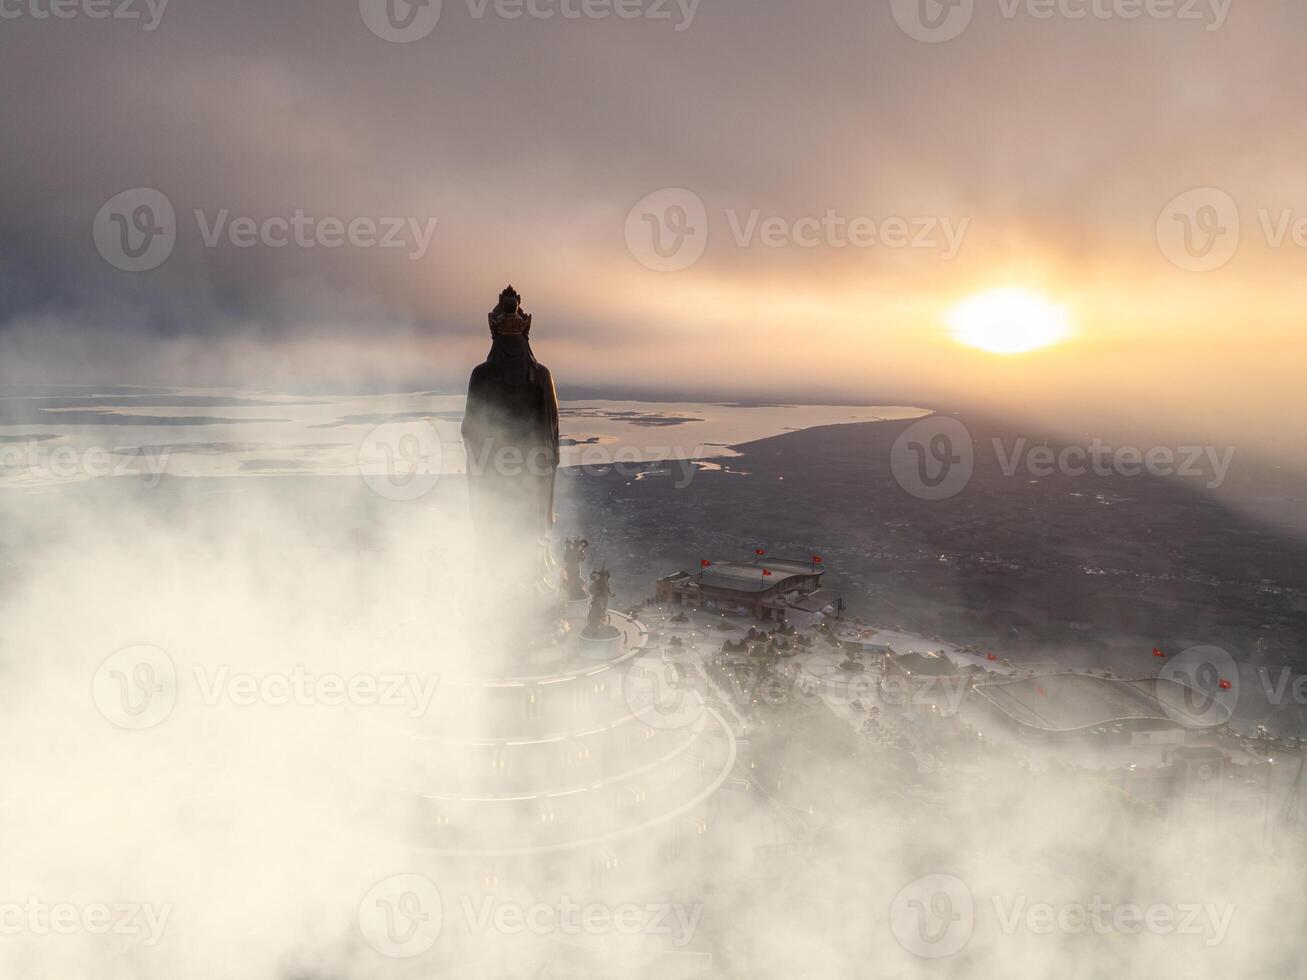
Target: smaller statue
600, 593
574, 552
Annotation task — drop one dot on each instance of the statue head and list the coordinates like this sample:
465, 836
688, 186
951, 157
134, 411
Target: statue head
507, 319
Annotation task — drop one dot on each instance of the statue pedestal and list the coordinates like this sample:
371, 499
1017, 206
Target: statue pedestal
603, 643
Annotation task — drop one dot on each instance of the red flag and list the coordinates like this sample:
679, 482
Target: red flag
1158, 653
1225, 685
759, 552
816, 559
766, 571
704, 563
991, 656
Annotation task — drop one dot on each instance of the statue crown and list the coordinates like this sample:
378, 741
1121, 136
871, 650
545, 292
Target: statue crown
508, 317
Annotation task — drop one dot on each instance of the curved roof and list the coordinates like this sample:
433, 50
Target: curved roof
749, 577
1074, 702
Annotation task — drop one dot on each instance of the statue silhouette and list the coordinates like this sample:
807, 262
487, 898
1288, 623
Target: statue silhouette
510, 432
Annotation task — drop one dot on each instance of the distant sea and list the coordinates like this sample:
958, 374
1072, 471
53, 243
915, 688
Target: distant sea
48, 439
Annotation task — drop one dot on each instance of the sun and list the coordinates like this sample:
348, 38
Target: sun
1008, 321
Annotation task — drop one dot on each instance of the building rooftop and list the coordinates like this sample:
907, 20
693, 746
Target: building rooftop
749, 577
1073, 702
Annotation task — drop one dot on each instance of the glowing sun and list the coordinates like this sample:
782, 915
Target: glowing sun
1008, 321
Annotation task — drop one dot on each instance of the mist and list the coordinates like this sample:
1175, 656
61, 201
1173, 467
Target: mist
265, 813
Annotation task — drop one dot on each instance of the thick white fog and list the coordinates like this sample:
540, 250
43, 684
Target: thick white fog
225, 703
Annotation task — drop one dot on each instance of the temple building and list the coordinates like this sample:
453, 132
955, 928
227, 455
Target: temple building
779, 589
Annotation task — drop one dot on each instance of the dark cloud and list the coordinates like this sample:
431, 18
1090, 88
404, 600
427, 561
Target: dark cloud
529, 139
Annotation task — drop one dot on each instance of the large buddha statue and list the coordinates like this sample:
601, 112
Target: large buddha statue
510, 432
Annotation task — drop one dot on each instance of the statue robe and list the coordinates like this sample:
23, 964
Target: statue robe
510, 432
